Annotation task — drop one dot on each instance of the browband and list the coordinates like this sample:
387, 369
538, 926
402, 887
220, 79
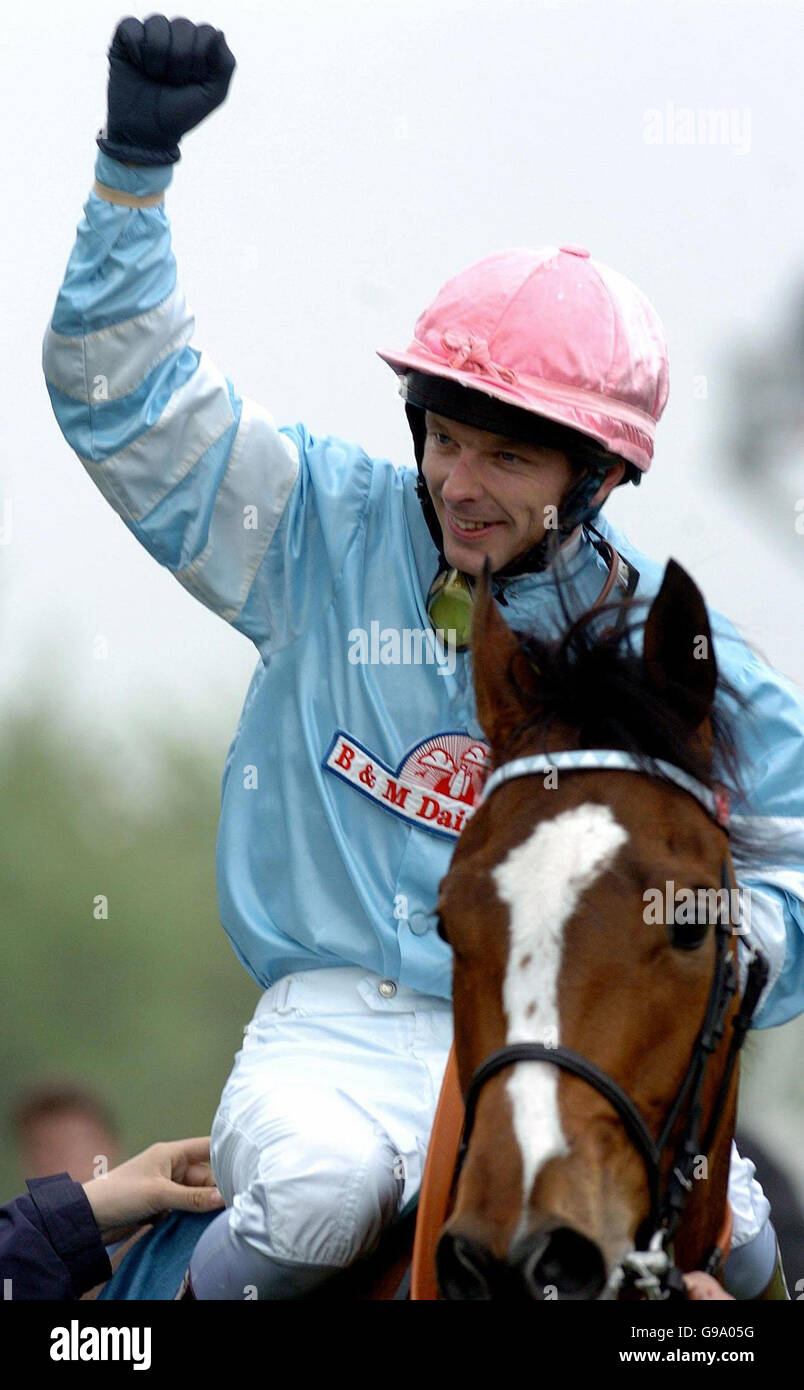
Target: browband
715, 803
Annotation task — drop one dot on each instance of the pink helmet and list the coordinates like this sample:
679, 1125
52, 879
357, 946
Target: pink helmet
556, 333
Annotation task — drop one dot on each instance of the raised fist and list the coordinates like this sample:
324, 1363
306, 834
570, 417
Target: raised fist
165, 76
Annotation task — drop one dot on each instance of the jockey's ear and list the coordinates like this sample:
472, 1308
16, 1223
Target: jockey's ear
678, 653
496, 655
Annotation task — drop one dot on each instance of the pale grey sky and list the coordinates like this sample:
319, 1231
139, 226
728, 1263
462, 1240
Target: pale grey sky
365, 153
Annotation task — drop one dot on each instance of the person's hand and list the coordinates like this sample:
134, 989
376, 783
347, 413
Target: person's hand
165, 76
165, 1177
701, 1287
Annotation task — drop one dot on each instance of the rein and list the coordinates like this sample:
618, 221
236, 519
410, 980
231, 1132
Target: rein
652, 1269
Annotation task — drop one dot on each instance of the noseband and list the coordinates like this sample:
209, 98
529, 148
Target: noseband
651, 1268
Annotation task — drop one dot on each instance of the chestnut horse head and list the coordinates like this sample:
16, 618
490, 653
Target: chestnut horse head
596, 1036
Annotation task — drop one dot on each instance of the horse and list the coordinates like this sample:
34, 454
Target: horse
596, 1042
594, 1079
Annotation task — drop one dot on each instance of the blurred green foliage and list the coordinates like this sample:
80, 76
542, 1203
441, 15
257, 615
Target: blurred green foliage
147, 1007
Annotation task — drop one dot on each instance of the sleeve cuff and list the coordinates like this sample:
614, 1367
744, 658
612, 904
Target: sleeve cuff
138, 180
71, 1228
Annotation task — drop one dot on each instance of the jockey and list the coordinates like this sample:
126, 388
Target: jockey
533, 387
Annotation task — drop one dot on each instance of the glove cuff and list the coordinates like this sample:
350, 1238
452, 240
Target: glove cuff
131, 154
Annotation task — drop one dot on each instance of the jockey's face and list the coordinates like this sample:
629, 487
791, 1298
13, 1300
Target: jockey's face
475, 476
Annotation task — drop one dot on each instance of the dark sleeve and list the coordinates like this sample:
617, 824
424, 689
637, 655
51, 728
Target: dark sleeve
50, 1243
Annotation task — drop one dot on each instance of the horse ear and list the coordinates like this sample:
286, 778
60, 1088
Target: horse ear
495, 653
678, 653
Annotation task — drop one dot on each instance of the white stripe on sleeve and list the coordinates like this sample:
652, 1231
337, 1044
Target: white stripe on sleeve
114, 361
136, 478
262, 469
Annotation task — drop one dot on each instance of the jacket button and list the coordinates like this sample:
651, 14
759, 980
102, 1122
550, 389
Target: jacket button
419, 923
387, 989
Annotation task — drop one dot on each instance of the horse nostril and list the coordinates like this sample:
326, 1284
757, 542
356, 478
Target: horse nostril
564, 1261
464, 1268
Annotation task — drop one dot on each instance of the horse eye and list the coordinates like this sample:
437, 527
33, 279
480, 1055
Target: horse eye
688, 936
440, 927
688, 930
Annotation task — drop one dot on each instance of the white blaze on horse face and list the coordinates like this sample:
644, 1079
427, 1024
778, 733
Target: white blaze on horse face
541, 882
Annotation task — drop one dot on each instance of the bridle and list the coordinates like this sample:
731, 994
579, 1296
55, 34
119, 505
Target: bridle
650, 1267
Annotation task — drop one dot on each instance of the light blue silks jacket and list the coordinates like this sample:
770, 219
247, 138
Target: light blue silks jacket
344, 783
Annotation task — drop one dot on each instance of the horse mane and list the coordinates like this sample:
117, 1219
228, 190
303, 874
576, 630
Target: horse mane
593, 678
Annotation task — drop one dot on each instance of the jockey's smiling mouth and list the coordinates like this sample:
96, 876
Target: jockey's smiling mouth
492, 495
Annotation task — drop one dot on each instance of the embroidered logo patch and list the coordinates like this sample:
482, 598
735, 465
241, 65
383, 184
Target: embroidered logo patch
436, 786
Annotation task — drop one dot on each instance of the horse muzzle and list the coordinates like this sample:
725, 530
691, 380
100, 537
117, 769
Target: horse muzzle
553, 1262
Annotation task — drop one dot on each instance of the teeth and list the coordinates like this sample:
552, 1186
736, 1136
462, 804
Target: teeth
469, 525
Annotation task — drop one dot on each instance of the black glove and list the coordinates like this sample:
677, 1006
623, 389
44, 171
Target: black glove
165, 76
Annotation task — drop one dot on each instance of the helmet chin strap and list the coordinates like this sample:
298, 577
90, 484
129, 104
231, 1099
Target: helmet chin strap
576, 509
